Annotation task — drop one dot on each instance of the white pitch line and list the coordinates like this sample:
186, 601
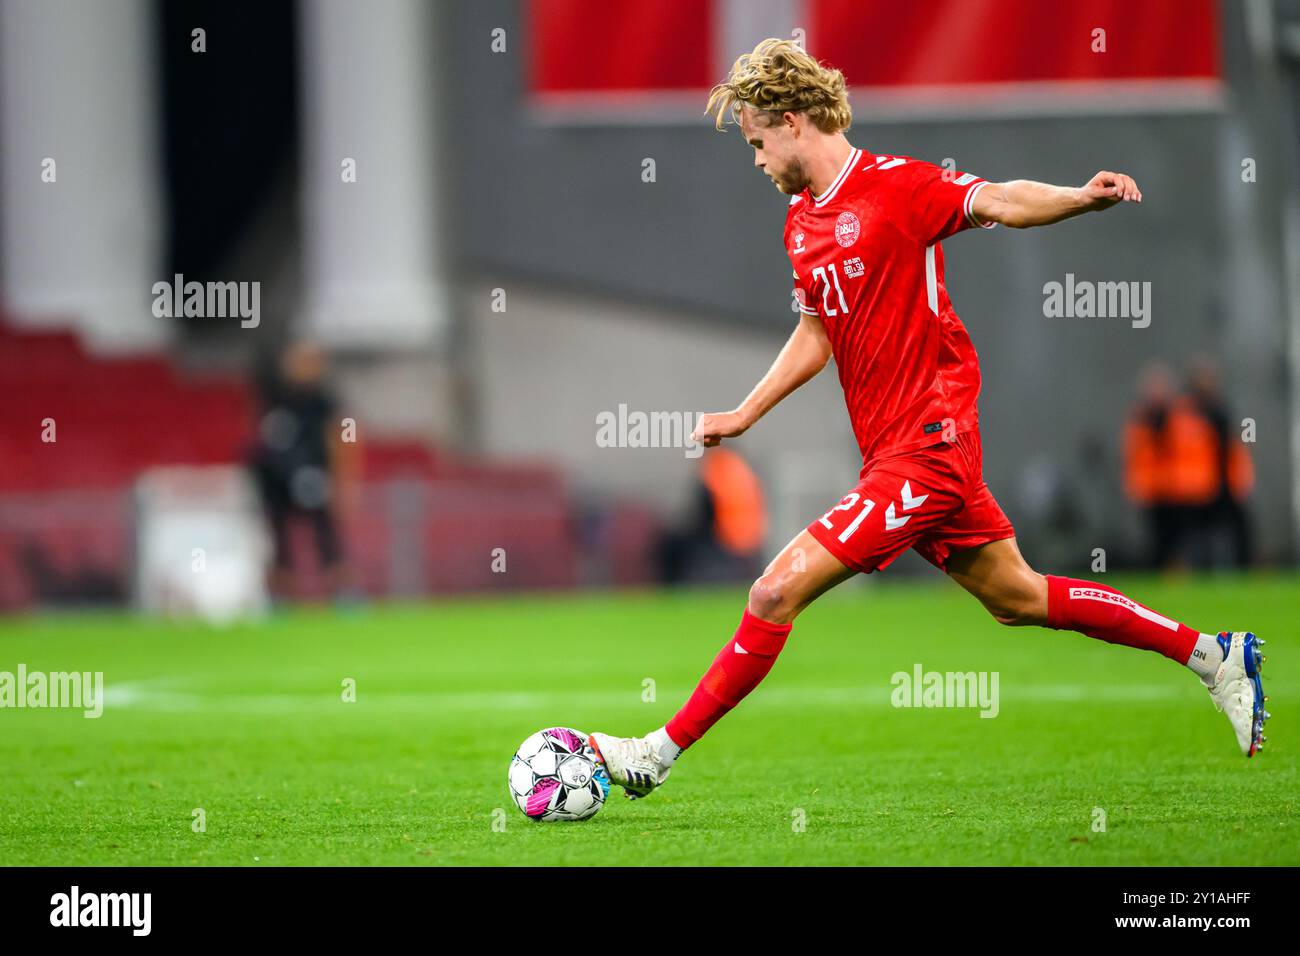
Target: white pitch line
171, 697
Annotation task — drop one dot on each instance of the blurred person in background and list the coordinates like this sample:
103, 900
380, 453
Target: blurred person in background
1231, 475
305, 471
1146, 463
1185, 465
724, 539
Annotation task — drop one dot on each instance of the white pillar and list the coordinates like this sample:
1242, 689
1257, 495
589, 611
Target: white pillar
78, 88
372, 277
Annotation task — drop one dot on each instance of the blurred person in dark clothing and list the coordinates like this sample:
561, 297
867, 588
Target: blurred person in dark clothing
1186, 466
1224, 512
724, 538
305, 471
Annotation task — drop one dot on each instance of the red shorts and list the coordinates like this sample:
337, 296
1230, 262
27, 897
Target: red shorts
932, 499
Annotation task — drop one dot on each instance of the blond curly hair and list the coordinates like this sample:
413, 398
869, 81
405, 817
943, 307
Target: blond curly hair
779, 76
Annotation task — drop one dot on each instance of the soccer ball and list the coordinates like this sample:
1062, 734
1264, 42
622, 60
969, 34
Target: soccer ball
555, 775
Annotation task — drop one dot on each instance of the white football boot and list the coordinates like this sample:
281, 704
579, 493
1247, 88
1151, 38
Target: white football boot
1237, 691
632, 763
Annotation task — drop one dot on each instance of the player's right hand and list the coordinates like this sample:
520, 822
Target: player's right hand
1107, 188
712, 427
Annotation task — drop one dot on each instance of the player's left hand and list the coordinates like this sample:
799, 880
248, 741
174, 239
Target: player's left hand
711, 428
1107, 188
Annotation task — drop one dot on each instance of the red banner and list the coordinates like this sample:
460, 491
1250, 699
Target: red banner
941, 42
602, 53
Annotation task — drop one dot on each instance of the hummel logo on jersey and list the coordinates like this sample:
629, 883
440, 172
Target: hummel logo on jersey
798, 243
892, 522
910, 502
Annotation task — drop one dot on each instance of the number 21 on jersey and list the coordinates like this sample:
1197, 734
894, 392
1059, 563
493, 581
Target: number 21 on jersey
820, 272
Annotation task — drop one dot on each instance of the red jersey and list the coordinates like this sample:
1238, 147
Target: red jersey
867, 259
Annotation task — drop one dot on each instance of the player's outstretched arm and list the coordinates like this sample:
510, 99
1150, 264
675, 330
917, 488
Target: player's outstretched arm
1022, 203
803, 356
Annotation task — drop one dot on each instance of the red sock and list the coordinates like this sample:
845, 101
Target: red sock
1102, 612
739, 667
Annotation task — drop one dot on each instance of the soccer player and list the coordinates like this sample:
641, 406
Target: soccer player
863, 233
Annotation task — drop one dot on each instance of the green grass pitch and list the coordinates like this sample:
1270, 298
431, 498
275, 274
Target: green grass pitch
816, 767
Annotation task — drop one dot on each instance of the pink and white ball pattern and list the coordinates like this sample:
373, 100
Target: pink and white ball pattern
554, 775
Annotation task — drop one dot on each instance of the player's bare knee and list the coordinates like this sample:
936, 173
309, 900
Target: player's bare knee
1023, 605
1009, 613
768, 599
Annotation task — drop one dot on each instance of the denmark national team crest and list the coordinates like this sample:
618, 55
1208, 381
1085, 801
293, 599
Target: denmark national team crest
847, 229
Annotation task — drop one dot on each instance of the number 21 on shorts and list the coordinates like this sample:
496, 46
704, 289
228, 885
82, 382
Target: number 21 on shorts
847, 504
